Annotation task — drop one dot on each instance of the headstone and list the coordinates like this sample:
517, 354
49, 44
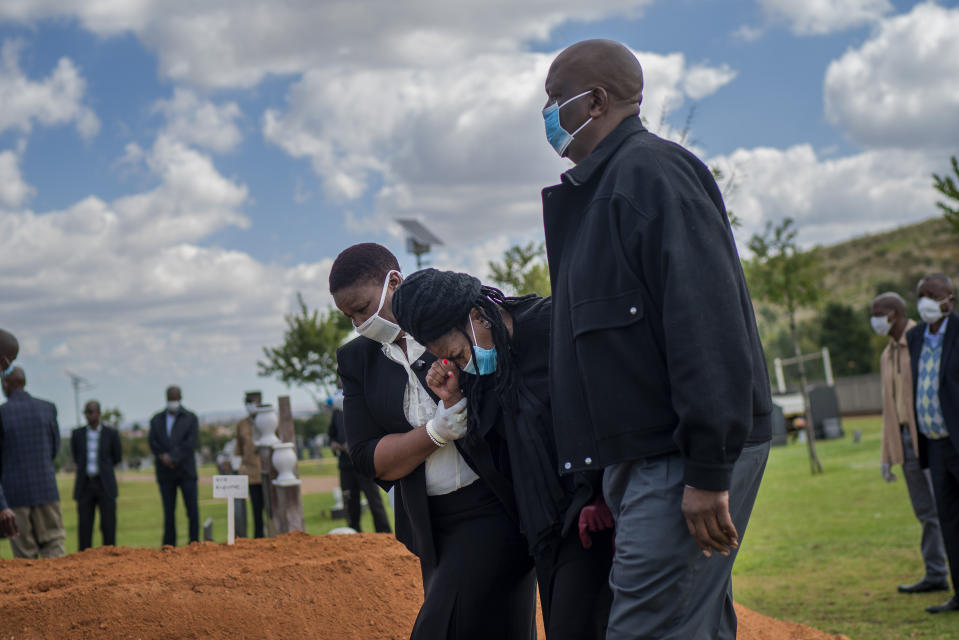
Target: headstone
286, 504
208, 530
824, 405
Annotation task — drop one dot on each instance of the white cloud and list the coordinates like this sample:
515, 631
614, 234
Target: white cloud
55, 100
199, 122
748, 33
901, 87
126, 288
818, 17
235, 43
702, 80
13, 189
461, 146
830, 199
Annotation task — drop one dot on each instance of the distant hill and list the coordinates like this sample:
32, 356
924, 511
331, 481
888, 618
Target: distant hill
892, 260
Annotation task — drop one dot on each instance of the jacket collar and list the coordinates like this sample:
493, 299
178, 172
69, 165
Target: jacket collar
902, 342
583, 172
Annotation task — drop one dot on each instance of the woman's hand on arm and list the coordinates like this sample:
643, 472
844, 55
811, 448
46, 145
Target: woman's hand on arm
398, 454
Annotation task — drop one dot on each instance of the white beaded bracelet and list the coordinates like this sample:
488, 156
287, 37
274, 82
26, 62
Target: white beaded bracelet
438, 441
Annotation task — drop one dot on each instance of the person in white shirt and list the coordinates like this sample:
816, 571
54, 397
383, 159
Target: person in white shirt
478, 577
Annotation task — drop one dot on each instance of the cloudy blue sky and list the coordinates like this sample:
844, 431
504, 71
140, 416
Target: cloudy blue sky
172, 172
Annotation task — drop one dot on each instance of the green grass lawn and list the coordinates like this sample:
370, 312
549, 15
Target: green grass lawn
829, 550
140, 513
825, 550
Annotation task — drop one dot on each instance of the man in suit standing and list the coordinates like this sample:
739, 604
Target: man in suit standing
96, 450
173, 435
934, 350
9, 349
351, 482
29, 441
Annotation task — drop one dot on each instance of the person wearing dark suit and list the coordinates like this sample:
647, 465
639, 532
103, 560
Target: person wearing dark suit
96, 450
9, 349
934, 351
353, 484
478, 577
173, 436
29, 442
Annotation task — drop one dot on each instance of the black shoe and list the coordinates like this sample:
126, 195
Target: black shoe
925, 585
950, 605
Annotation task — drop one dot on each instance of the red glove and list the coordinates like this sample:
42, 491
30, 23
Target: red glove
594, 517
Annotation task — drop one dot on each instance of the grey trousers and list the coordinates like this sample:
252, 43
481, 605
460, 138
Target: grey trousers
919, 484
663, 586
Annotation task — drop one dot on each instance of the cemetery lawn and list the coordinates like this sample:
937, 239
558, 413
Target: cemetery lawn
140, 514
829, 550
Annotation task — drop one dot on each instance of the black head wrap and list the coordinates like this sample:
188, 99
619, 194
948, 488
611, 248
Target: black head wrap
429, 303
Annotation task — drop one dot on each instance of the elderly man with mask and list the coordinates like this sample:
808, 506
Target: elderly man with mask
9, 349
900, 438
934, 351
657, 372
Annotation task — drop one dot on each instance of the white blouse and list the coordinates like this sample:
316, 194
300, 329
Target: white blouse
446, 470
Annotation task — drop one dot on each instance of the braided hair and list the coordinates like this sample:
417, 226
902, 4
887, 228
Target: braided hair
430, 303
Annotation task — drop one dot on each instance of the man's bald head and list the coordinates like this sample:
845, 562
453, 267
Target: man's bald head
9, 349
597, 84
15, 381
602, 63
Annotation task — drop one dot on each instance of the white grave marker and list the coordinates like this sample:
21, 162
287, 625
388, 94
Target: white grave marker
231, 487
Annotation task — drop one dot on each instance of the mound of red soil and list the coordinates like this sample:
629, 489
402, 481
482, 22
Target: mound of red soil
362, 587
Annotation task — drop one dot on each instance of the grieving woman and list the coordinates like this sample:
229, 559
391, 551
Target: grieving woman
478, 578
500, 346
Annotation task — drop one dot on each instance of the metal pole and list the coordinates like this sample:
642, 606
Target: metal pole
827, 365
780, 379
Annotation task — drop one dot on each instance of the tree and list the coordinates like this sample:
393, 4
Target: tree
307, 357
523, 270
112, 416
783, 275
947, 186
845, 332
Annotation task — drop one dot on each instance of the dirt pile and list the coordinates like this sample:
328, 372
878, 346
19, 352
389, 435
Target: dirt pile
362, 587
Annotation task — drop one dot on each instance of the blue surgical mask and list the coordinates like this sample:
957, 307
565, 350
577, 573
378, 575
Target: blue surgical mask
559, 137
486, 358
8, 371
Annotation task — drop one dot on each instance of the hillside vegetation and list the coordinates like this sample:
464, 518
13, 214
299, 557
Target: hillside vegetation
891, 260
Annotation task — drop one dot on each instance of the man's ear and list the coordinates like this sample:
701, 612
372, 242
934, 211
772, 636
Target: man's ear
598, 102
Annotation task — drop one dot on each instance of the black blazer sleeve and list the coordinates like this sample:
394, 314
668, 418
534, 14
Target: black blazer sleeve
116, 446
362, 431
187, 445
75, 447
156, 424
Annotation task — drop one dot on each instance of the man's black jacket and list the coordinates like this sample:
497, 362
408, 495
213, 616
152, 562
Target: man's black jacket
948, 378
654, 346
109, 454
180, 444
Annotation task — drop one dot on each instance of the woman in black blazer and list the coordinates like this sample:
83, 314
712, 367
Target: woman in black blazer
502, 345
478, 578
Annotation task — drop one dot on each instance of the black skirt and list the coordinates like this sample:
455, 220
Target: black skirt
483, 585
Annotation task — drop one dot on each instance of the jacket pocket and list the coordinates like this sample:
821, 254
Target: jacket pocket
610, 312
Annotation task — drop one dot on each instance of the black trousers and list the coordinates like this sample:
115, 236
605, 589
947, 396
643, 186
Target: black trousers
944, 469
574, 586
352, 483
483, 585
93, 496
168, 489
256, 501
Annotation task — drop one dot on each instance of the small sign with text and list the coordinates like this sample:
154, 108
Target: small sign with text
231, 486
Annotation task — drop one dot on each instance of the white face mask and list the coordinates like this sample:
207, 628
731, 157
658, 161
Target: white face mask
172, 406
929, 310
880, 324
376, 327
251, 408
